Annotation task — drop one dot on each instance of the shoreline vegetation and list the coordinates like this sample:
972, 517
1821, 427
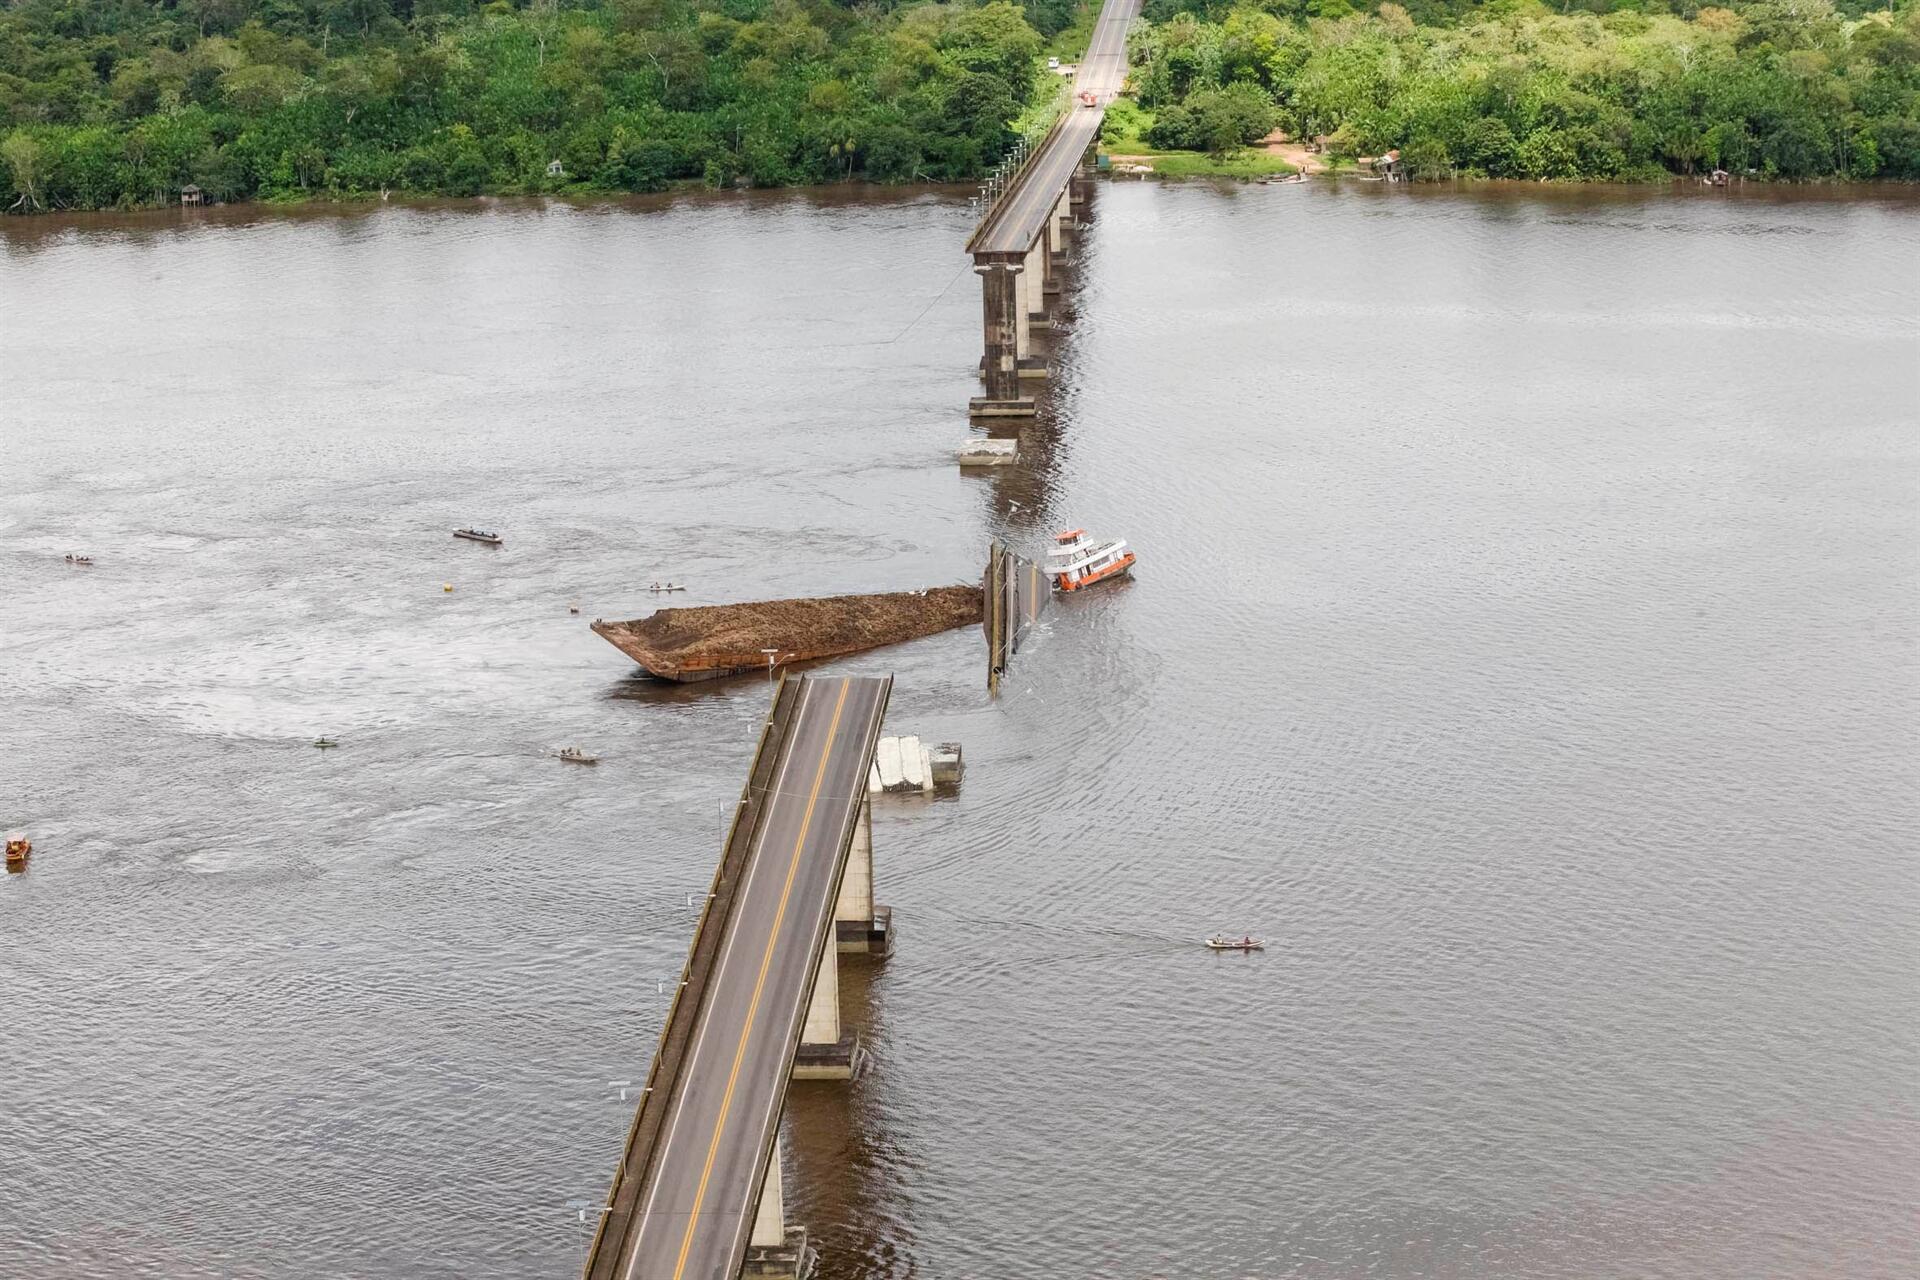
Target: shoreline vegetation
121, 104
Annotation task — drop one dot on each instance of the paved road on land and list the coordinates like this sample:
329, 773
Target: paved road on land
696, 1209
1015, 222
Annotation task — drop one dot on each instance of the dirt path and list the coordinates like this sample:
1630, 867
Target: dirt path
1294, 153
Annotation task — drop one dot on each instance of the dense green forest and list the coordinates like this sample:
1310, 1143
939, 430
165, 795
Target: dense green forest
108, 103
1784, 88
121, 102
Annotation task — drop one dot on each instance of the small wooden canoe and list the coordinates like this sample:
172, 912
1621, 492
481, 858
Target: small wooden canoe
574, 755
1235, 944
478, 535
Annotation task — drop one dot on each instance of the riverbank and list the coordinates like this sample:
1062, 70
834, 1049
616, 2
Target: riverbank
1195, 164
53, 227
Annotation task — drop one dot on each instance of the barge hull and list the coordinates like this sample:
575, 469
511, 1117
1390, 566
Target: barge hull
711, 642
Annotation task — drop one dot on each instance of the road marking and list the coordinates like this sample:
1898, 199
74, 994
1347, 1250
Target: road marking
766, 963
706, 1015
872, 734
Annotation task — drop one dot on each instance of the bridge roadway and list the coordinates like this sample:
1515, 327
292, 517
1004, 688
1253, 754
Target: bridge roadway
1017, 220
682, 1206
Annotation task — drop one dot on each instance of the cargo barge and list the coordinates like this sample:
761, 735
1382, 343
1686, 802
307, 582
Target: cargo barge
707, 642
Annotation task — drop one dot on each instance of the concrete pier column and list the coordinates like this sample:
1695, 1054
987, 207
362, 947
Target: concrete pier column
775, 1251
1026, 288
770, 1219
1005, 318
823, 1006
1034, 302
827, 1050
856, 887
1036, 277
860, 926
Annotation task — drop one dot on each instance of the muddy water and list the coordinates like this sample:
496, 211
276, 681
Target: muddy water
1522, 643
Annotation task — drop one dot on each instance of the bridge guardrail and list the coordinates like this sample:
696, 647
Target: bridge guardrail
998, 200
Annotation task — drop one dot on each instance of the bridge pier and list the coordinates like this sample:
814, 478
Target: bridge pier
1037, 269
775, 1251
860, 927
1004, 314
1056, 241
827, 1050
1028, 285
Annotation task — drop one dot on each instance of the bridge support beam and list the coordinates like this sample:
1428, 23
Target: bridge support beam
770, 1219
1027, 286
860, 927
1005, 318
827, 1051
1057, 239
775, 1251
1035, 308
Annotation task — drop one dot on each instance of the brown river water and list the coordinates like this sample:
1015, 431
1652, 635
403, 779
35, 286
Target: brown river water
1523, 642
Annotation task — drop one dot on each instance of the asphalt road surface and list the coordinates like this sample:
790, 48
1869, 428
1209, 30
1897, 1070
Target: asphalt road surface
697, 1207
1015, 224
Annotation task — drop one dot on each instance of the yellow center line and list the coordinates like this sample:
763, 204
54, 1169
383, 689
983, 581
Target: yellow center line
766, 962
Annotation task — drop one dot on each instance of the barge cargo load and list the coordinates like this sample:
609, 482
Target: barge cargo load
709, 641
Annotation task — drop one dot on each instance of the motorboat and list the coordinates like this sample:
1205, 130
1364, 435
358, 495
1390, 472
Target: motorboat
19, 849
81, 560
324, 743
478, 535
1246, 942
667, 586
1076, 561
574, 755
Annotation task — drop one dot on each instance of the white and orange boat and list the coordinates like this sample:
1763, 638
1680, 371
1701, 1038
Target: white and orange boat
1075, 562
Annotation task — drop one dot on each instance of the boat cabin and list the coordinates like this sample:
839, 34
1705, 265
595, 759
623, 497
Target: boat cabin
1077, 562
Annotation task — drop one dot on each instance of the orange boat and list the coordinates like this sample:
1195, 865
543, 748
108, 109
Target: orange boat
19, 849
1075, 562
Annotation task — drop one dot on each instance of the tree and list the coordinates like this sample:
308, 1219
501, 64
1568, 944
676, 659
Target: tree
24, 161
1426, 159
892, 154
1227, 119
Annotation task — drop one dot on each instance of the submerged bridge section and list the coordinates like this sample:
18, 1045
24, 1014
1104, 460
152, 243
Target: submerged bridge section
1017, 593
698, 1189
1017, 248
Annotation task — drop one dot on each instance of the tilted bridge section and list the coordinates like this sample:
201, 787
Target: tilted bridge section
697, 1195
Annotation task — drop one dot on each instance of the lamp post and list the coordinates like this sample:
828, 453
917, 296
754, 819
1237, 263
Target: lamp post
581, 1208
771, 654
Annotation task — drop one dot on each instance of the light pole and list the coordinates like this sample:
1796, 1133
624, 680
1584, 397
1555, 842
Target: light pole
771, 654
581, 1209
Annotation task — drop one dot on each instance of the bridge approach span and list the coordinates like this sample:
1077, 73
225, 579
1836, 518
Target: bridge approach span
684, 1200
1019, 246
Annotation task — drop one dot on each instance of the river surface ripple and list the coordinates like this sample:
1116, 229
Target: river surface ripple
1523, 641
